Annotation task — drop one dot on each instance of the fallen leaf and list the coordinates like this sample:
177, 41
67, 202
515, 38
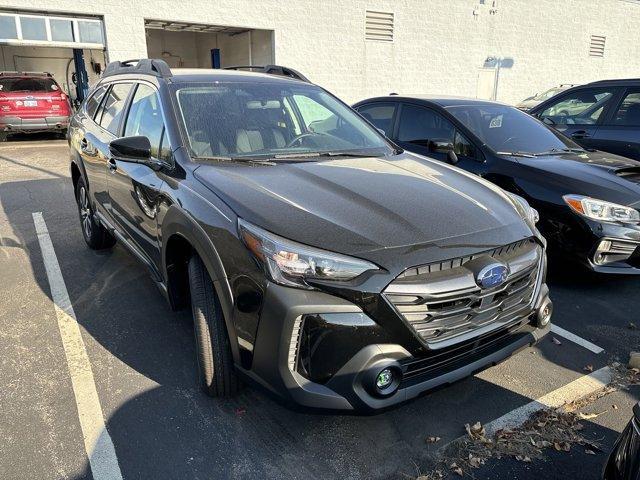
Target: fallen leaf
589, 452
475, 462
475, 431
588, 416
433, 439
523, 458
240, 411
556, 341
456, 469
632, 326
634, 360
562, 446
614, 406
588, 368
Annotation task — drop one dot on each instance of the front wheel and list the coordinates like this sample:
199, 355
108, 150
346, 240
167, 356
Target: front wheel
217, 373
95, 235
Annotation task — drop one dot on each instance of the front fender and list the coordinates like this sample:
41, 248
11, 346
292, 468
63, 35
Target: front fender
177, 221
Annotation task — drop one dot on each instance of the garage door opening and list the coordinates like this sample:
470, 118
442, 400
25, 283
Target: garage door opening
187, 45
70, 48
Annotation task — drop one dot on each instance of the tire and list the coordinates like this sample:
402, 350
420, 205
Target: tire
95, 235
218, 376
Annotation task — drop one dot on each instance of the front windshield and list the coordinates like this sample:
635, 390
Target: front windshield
271, 120
507, 129
548, 94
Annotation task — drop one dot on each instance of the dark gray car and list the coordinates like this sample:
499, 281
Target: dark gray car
601, 115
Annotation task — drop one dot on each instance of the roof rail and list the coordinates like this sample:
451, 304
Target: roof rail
11, 73
271, 70
146, 66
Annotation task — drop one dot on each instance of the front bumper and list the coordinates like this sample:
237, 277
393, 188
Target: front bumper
353, 349
16, 124
600, 246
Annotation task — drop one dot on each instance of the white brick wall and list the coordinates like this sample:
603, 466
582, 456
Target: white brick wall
439, 45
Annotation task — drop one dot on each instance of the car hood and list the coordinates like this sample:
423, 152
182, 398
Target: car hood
380, 209
598, 174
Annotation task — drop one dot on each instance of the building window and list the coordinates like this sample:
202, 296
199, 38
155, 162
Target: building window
61, 30
378, 26
596, 46
38, 29
33, 28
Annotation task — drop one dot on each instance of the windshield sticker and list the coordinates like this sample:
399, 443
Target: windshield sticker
496, 122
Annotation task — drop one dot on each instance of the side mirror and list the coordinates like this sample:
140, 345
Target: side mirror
131, 149
440, 146
452, 158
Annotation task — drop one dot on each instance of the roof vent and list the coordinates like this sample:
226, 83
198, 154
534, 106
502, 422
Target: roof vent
596, 46
378, 26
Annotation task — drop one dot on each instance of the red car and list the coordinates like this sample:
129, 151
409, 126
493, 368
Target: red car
32, 102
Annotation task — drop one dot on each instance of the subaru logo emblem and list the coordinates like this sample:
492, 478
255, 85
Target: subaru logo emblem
492, 275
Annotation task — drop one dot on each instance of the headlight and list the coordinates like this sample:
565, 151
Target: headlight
601, 210
292, 264
525, 210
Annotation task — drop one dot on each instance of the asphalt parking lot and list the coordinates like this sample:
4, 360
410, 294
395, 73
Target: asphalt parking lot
143, 363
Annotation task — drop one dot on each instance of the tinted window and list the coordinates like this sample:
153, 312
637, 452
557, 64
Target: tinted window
113, 106
145, 118
380, 115
32, 84
582, 107
629, 111
269, 119
507, 129
94, 101
464, 147
419, 125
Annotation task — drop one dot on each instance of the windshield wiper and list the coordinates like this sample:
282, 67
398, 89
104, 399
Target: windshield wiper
555, 151
281, 156
518, 154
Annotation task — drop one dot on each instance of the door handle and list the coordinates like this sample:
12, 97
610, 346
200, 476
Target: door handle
87, 148
111, 163
580, 134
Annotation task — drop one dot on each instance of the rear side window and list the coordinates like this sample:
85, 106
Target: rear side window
582, 107
380, 115
113, 107
145, 118
93, 102
44, 84
628, 113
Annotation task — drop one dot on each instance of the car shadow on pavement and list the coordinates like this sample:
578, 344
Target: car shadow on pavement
162, 426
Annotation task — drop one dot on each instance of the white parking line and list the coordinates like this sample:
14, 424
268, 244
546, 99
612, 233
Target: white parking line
579, 388
576, 339
97, 441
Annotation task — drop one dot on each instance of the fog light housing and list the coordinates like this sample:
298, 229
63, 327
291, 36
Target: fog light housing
384, 382
384, 379
544, 313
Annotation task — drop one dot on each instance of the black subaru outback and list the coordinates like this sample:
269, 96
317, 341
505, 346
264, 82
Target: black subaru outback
319, 260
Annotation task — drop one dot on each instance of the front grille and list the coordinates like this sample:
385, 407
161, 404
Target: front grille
444, 305
439, 362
